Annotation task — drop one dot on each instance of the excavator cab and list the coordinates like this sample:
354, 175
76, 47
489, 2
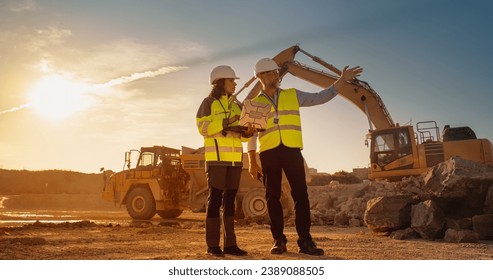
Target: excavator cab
398, 152
392, 149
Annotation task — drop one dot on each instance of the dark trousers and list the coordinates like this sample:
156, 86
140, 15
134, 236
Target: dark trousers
223, 182
289, 160
223, 185
218, 198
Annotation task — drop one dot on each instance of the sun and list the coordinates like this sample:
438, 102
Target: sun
56, 97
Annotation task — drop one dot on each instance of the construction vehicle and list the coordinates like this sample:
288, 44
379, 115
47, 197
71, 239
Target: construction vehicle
157, 184
250, 198
395, 151
167, 181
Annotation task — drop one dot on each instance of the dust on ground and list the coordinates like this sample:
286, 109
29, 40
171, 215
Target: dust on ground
92, 235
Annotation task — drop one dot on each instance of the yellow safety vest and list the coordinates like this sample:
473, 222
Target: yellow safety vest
221, 149
283, 121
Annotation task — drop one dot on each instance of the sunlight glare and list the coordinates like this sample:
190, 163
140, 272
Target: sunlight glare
56, 97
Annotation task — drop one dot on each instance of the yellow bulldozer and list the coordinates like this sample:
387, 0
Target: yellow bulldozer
156, 184
166, 181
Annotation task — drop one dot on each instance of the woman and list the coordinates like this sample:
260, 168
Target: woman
217, 121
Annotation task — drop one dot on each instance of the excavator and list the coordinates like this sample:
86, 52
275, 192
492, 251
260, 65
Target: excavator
395, 151
166, 181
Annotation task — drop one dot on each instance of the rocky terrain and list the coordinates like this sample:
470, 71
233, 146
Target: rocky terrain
448, 210
453, 202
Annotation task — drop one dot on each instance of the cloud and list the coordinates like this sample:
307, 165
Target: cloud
35, 44
23, 6
88, 89
42, 40
93, 61
141, 75
102, 66
15, 109
104, 61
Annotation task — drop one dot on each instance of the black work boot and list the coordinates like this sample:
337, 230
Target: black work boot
308, 246
216, 251
234, 250
279, 247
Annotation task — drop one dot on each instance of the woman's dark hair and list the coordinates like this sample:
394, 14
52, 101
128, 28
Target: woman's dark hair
217, 89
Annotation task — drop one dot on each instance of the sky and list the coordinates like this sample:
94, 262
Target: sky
81, 82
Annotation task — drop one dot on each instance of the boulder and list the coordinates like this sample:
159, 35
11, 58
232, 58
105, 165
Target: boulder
411, 185
388, 213
403, 234
461, 236
354, 207
427, 220
483, 225
341, 219
463, 185
458, 178
457, 224
454, 200
345, 200
354, 222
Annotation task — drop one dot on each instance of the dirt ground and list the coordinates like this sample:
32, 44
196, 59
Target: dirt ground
111, 235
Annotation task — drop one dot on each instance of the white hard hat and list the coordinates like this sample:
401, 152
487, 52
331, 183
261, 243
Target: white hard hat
264, 65
222, 72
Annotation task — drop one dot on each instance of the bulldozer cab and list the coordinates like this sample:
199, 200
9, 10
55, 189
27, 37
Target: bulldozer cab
163, 163
157, 162
158, 156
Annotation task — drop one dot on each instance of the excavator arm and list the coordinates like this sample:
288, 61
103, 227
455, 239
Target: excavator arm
394, 150
357, 92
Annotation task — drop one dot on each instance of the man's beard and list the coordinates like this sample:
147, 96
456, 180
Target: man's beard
276, 83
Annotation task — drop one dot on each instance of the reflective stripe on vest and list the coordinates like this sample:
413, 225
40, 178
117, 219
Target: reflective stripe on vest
288, 128
224, 149
218, 147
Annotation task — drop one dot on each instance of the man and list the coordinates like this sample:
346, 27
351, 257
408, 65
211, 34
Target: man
280, 150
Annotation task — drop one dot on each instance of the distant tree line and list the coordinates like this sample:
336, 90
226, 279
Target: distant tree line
49, 182
71, 182
343, 177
